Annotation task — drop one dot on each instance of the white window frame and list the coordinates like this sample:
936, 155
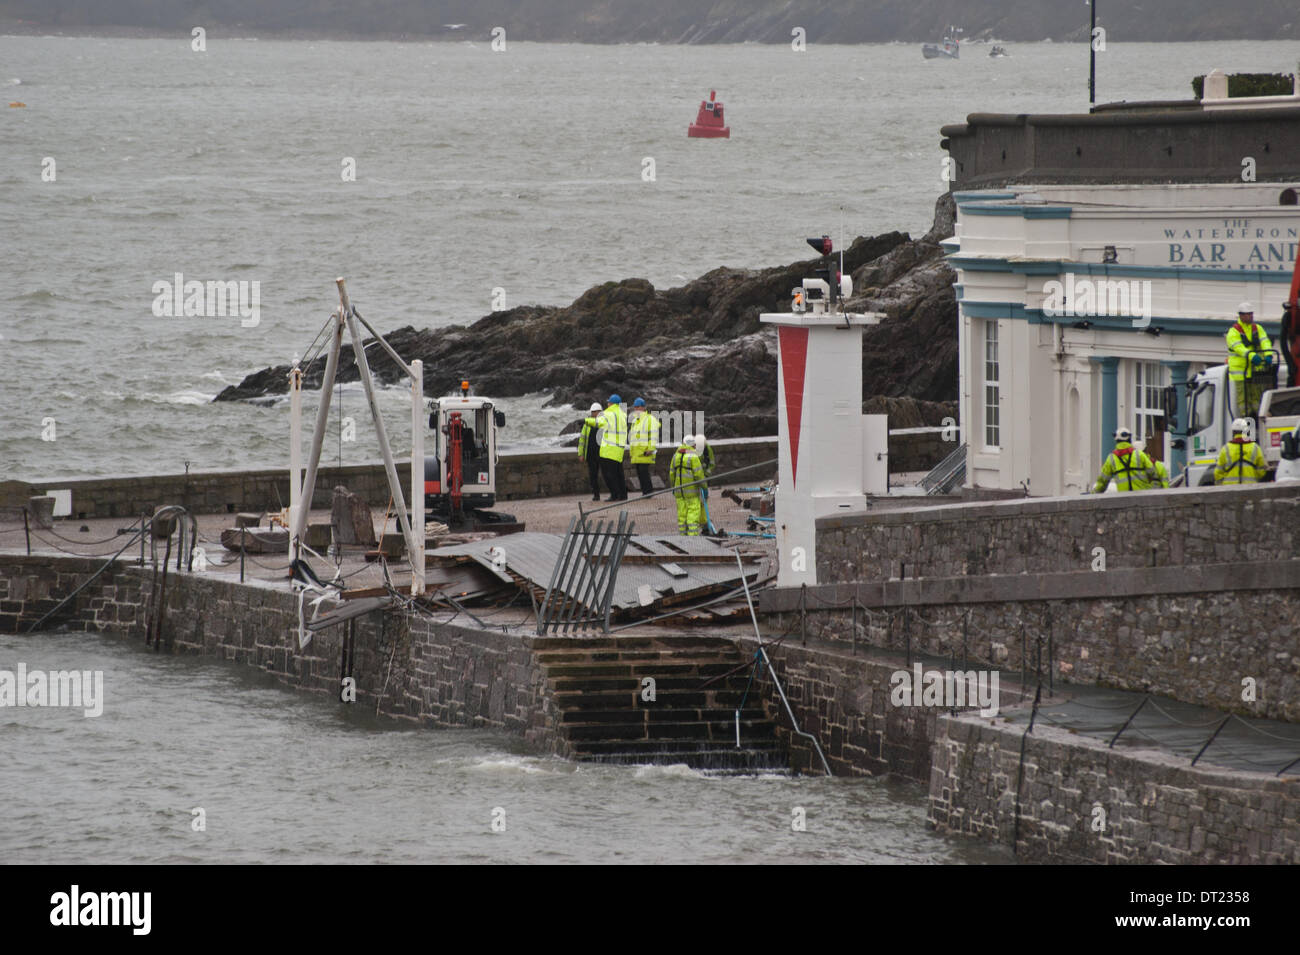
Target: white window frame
1146, 399
991, 386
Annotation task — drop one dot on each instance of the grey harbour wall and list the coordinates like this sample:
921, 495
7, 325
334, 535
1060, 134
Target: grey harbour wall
407, 668
435, 674
1201, 588
520, 475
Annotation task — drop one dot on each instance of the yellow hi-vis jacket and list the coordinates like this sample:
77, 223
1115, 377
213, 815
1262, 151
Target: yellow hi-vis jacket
1162, 474
685, 468
613, 436
1243, 341
1240, 462
644, 438
587, 438
1132, 469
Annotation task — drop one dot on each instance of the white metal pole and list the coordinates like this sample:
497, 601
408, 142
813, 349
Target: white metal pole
363, 368
322, 422
295, 452
417, 477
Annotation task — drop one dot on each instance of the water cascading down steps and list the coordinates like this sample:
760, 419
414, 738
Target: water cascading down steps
599, 687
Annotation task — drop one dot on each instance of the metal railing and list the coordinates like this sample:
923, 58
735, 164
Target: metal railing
947, 474
762, 657
582, 582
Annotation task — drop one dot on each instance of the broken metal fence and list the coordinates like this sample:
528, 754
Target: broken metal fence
581, 589
630, 559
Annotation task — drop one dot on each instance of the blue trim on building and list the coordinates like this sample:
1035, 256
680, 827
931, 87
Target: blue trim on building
976, 195
1166, 323
1024, 211
1065, 266
1109, 401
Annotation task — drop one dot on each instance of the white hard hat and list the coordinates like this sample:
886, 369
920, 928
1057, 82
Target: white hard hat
595, 406
688, 439
1123, 434
1240, 424
1245, 307
699, 441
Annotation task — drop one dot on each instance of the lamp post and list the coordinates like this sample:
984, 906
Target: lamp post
1092, 54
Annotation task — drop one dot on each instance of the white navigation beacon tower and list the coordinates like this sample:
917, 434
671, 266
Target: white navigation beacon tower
831, 454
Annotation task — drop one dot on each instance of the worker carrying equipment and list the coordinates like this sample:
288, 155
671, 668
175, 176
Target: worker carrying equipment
613, 443
683, 473
588, 449
1250, 358
644, 441
1240, 460
705, 451
1131, 469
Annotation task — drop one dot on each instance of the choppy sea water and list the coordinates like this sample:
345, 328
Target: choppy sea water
282, 776
475, 171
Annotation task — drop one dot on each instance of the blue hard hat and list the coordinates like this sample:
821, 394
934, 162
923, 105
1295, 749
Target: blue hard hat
639, 403
615, 400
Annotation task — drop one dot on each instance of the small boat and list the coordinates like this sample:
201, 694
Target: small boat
949, 49
709, 122
998, 51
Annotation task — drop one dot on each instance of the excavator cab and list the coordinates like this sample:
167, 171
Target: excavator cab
460, 476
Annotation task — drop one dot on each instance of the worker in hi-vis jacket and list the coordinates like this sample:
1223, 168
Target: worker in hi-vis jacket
1250, 355
589, 449
612, 423
1130, 468
643, 439
684, 472
1240, 460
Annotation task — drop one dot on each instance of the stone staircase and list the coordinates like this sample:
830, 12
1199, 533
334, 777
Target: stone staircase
597, 686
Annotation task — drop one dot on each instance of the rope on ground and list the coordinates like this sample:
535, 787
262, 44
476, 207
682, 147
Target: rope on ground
1281, 739
262, 565
1126, 705
78, 540
1173, 719
70, 553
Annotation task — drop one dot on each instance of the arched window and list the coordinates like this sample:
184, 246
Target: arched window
1288, 198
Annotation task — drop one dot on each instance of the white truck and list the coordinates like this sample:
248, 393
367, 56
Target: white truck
1211, 404
1288, 469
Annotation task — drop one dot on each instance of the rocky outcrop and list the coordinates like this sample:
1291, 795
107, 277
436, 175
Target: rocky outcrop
699, 347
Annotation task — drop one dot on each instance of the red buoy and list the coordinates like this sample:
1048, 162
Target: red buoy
709, 123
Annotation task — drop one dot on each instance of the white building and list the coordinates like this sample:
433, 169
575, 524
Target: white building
1079, 303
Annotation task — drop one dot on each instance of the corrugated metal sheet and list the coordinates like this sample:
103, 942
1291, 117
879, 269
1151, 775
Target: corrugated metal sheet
532, 556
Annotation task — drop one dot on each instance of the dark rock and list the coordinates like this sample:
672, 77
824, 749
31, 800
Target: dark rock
699, 347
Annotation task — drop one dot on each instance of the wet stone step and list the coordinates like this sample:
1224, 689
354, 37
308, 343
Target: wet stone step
606, 747
662, 684
735, 763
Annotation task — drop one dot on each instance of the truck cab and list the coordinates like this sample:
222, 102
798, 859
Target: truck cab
461, 473
1211, 404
